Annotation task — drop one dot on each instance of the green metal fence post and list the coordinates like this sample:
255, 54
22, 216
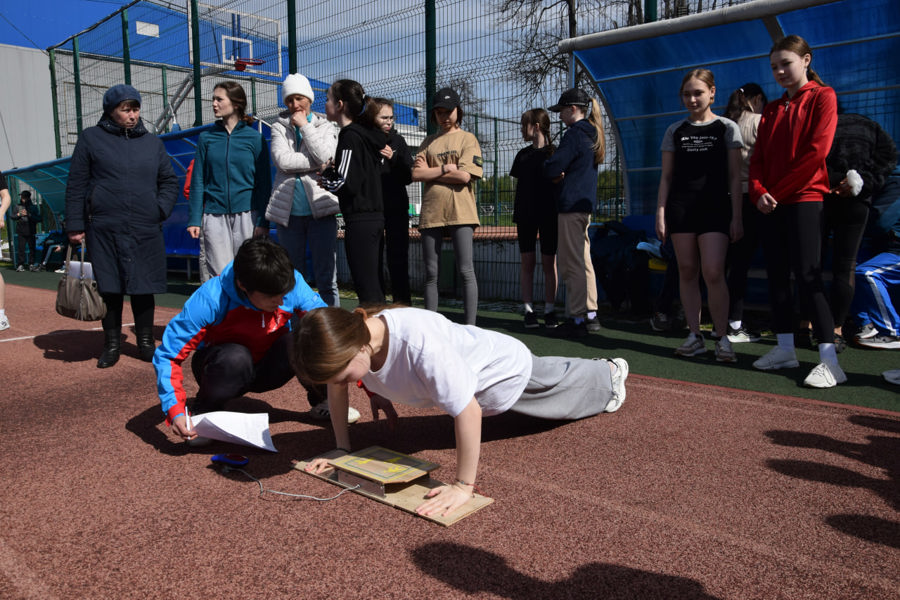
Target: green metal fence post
126, 49
292, 35
430, 61
165, 93
76, 66
496, 173
253, 96
649, 11
55, 100
195, 50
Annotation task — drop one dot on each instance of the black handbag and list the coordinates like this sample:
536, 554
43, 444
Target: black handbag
77, 296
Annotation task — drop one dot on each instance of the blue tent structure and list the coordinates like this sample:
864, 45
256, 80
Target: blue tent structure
638, 70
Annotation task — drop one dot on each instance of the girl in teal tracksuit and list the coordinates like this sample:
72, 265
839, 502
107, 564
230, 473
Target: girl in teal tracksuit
231, 182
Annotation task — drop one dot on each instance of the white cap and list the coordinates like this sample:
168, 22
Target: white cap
295, 83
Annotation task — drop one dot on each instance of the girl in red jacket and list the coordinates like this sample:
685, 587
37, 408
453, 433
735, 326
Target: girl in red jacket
788, 179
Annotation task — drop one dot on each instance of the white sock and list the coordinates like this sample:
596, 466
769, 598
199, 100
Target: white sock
735, 324
528, 308
2, 313
785, 341
592, 314
828, 354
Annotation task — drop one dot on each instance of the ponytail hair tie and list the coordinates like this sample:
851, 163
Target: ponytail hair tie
365, 98
741, 90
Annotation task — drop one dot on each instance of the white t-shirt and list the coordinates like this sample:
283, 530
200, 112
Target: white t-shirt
432, 361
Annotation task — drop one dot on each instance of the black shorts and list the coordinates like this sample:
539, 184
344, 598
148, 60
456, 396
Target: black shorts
685, 215
528, 233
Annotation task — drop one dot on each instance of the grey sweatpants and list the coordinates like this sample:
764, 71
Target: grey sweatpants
565, 388
222, 236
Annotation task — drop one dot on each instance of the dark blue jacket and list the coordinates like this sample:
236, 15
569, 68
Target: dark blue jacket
121, 187
575, 158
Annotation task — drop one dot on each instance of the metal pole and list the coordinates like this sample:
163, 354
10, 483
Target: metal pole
292, 35
55, 100
195, 50
650, 14
126, 47
430, 61
496, 174
165, 93
77, 68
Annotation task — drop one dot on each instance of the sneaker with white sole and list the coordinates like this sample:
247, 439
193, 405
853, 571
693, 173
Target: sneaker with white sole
320, 412
742, 335
866, 331
618, 385
60, 270
4, 323
881, 342
692, 346
724, 351
531, 320
825, 375
776, 358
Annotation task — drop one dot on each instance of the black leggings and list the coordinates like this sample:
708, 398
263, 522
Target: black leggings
363, 243
792, 242
845, 219
142, 307
740, 257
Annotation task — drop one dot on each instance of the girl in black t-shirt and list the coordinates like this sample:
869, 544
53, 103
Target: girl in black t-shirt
534, 213
701, 166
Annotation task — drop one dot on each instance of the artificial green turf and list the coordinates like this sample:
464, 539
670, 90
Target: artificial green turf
647, 352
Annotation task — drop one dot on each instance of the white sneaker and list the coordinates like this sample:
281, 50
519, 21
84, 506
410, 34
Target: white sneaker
618, 385
724, 351
60, 270
825, 375
320, 412
776, 358
692, 346
4, 323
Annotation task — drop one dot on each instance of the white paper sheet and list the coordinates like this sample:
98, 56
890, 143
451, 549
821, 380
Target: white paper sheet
238, 428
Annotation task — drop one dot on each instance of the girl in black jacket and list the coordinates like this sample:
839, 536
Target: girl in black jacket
356, 180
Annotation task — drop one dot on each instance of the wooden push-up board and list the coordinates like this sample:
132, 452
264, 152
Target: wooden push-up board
395, 479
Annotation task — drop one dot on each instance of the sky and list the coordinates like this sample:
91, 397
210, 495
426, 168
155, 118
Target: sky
44, 23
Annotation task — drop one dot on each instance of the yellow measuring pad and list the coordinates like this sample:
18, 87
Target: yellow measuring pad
392, 478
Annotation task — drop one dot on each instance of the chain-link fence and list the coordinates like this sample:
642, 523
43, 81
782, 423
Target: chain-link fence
500, 55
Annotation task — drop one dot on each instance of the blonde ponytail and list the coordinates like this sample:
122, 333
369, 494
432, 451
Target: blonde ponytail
596, 120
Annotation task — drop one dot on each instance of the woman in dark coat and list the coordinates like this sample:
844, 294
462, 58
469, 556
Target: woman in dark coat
121, 188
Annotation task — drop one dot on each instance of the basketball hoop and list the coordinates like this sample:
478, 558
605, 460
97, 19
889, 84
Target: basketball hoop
241, 64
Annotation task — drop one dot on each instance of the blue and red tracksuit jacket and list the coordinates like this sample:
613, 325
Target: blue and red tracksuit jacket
219, 313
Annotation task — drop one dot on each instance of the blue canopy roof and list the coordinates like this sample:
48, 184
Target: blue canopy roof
638, 70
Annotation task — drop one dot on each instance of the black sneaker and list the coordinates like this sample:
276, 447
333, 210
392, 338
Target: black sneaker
660, 322
531, 320
570, 329
550, 320
593, 324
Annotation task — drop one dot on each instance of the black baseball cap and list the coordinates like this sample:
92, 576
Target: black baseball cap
445, 98
571, 97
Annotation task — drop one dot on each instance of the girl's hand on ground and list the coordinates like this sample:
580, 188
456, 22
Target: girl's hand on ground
445, 499
318, 466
